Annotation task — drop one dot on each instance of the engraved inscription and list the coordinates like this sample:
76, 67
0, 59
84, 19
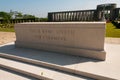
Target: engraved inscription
52, 34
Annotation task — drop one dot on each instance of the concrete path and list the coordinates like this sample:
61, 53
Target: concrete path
112, 40
9, 75
7, 37
37, 71
104, 70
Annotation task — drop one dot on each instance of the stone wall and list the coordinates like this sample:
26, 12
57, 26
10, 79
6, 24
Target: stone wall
81, 39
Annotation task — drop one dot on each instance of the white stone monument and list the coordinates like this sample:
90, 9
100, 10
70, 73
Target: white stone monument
76, 38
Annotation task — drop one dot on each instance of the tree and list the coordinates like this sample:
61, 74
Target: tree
28, 16
107, 16
43, 19
5, 16
18, 15
119, 17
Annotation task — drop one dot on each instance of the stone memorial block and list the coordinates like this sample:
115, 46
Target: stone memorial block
76, 38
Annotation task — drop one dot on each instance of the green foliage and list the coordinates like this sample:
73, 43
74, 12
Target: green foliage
43, 19
7, 30
18, 15
116, 24
15, 15
119, 16
107, 16
5, 16
112, 31
27, 16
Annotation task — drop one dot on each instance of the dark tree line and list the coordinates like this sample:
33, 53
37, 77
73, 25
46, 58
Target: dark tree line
16, 17
116, 24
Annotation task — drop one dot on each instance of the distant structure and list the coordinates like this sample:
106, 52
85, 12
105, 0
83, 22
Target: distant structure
103, 12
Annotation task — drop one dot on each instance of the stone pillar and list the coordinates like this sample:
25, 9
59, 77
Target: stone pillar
64, 16
83, 16
67, 16
59, 17
70, 14
77, 16
89, 16
50, 18
73, 16
80, 18
54, 16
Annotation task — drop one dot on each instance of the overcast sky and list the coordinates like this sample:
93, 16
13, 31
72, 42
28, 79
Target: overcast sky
40, 8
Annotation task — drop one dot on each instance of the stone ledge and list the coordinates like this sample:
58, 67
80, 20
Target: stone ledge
95, 54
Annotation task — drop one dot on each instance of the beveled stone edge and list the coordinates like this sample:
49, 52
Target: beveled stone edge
95, 54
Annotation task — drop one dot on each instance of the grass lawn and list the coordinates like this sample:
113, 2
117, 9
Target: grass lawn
112, 31
7, 29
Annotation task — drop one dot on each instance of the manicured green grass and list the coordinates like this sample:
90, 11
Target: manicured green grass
7, 30
112, 31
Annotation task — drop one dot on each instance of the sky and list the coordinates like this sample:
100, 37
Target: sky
40, 8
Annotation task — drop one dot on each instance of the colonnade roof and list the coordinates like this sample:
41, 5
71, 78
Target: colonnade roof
108, 4
73, 11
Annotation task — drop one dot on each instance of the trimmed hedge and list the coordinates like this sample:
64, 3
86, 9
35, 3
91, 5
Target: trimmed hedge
116, 24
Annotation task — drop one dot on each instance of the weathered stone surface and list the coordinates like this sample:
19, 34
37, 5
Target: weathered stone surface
76, 38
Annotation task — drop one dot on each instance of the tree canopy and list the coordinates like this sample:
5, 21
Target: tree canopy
5, 15
15, 15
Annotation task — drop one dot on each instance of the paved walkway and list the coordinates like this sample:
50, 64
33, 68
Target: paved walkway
108, 68
9, 75
112, 40
6, 37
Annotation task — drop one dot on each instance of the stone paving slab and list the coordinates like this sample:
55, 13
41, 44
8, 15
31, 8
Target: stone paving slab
6, 75
112, 40
108, 68
44, 73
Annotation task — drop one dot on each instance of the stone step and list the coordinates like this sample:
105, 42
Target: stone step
38, 71
54, 66
6, 74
